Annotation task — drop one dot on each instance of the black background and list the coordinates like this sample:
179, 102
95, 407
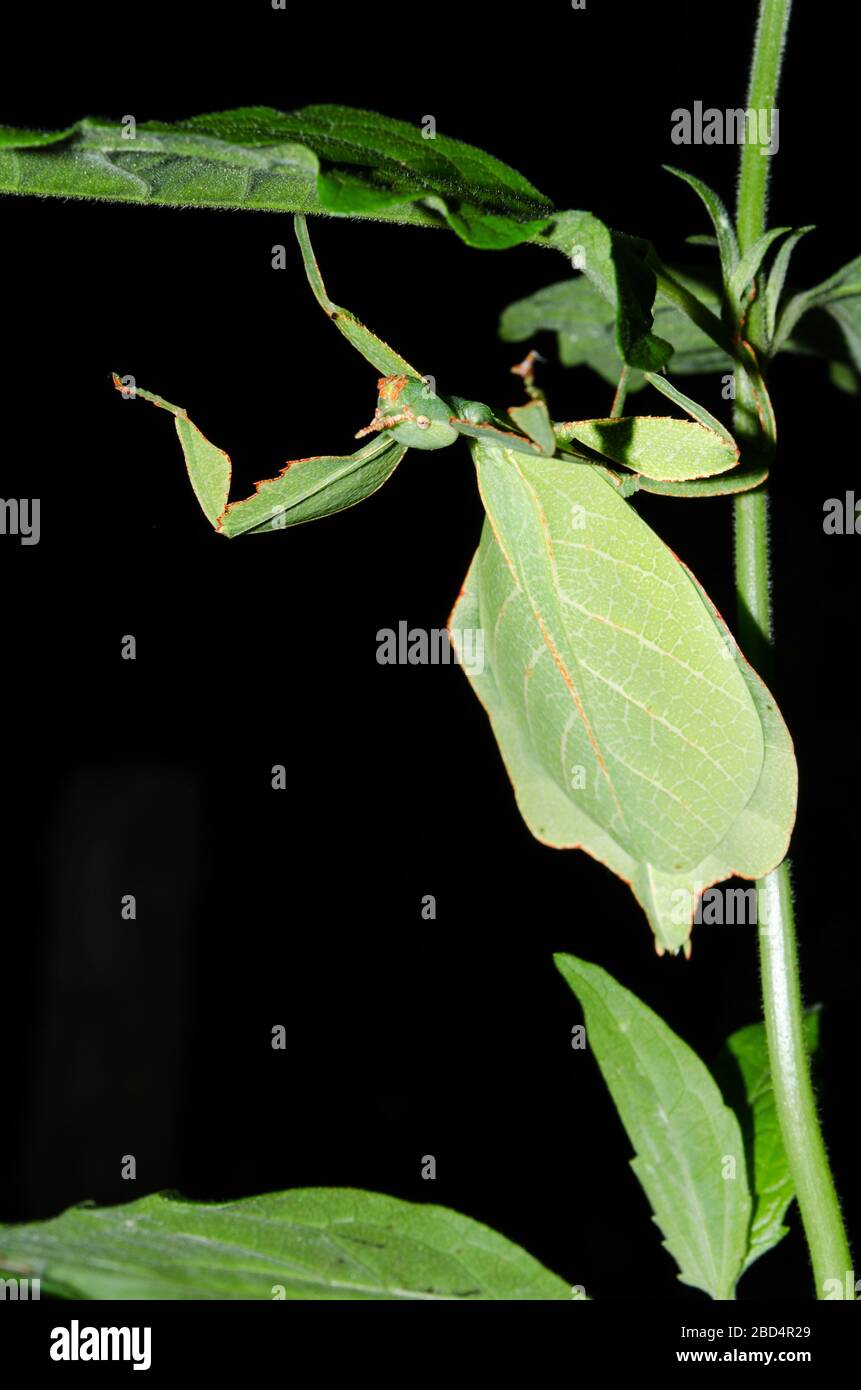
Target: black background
302, 908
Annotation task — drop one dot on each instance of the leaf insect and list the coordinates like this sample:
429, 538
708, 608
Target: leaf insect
603, 653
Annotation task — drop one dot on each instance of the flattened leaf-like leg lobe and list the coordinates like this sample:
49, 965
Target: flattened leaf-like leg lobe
659, 447
304, 490
308, 489
209, 468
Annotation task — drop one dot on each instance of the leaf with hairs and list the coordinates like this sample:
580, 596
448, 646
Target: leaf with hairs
311, 1243
689, 1154
743, 1071
335, 159
618, 267
585, 324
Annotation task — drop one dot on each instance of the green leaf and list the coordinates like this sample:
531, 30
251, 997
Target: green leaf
689, 1154
744, 1072
693, 408
721, 220
334, 159
844, 378
314, 1243
843, 284
777, 278
748, 267
833, 333
13, 137
629, 724
618, 267
846, 313
304, 490
584, 322
657, 446
847, 316
846, 280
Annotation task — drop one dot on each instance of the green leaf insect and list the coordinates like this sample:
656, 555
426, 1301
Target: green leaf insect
629, 723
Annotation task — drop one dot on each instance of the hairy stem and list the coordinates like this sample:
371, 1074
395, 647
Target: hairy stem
755, 164
781, 990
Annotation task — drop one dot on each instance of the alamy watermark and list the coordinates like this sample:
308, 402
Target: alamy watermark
419, 646
77, 1343
719, 907
739, 126
19, 516
842, 516
20, 1290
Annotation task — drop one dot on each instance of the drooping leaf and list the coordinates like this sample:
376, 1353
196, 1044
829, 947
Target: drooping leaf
618, 267
658, 446
335, 159
312, 1243
689, 1153
629, 723
584, 322
744, 1072
304, 490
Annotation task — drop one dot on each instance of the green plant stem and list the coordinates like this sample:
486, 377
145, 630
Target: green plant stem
796, 1104
752, 567
781, 990
755, 165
